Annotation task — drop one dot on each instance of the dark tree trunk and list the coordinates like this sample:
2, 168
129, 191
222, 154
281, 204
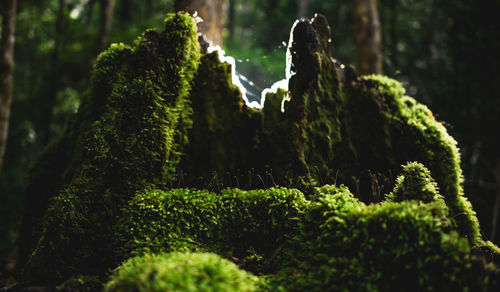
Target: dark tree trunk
213, 13
89, 12
303, 5
105, 26
6, 69
231, 14
52, 85
149, 8
367, 36
496, 205
125, 11
394, 33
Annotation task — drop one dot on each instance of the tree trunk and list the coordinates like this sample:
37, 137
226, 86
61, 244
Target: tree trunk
231, 15
367, 36
496, 204
149, 8
303, 5
105, 27
6, 69
213, 13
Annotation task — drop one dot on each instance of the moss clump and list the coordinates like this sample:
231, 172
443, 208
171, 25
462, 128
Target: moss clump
415, 183
345, 245
181, 272
244, 225
137, 113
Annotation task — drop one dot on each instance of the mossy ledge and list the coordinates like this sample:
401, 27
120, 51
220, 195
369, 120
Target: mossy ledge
162, 132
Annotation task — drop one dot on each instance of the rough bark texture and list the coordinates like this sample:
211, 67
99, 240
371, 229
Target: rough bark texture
213, 14
367, 36
6, 69
105, 26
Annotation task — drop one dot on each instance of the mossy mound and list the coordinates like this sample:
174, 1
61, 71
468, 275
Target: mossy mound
181, 272
345, 245
247, 226
415, 184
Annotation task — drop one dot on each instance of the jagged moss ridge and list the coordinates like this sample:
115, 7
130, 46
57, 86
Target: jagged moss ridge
345, 245
181, 272
224, 132
246, 225
415, 135
138, 99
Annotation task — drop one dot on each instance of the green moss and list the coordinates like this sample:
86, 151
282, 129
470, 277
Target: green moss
415, 183
181, 272
138, 101
223, 139
299, 143
415, 135
244, 225
345, 245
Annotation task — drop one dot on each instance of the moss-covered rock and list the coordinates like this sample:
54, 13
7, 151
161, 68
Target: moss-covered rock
181, 272
136, 117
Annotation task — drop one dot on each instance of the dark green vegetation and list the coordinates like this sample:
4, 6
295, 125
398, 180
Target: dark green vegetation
141, 131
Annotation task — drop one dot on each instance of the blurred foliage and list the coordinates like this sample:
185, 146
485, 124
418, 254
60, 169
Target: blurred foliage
445, 52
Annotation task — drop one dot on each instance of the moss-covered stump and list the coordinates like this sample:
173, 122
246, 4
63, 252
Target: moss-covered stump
143, 129
135, 118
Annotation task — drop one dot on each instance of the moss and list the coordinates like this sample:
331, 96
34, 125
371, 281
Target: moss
138, 99
223, 139
310, 122
181, 272
415, 135
417, 184
344, 245
244, 225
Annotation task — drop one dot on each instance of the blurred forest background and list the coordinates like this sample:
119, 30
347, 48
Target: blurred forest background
446, 52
